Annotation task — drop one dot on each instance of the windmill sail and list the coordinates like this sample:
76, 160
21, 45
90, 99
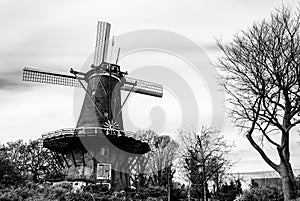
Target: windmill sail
143, 87
103, 30
99, 130
42, 76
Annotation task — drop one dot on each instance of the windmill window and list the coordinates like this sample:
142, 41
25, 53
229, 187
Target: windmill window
105, 114
105, 66
103, 171
104, 151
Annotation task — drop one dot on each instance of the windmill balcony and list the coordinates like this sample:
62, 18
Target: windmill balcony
64, 139
89, 131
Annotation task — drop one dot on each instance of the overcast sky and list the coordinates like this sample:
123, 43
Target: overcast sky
57, 35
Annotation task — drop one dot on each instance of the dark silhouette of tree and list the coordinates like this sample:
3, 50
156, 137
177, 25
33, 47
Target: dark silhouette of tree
261, 74
32, 161
9, 174
229, 192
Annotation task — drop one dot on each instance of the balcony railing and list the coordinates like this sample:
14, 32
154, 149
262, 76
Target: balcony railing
88, 131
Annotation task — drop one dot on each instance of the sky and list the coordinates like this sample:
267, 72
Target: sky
56, 35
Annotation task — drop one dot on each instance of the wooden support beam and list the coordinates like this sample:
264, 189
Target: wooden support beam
94, 165
59, 161
83, 161
73, 157
55, 158
65, 160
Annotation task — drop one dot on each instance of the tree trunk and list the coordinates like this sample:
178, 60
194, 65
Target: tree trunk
288, 183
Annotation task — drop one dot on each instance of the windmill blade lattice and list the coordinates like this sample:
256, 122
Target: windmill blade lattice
103, 30
143, 87
42, 76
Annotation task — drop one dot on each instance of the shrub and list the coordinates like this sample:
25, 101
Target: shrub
262, 194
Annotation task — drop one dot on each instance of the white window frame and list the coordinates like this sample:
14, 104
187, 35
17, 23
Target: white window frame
103, 177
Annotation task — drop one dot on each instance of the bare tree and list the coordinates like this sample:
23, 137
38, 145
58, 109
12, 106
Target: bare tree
261, 75
155, 167
162, 157
204, 155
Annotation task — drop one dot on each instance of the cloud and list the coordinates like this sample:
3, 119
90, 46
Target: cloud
12, 80
46, 49
210, 47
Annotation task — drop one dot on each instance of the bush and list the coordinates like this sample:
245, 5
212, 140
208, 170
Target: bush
34, 192
63, 192
151, 192
96, 188
179, 193
9, 175
262, 194
229, 191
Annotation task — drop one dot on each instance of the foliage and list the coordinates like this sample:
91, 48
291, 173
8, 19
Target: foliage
39, 192
96, 188
153, 192
261, 76
256, 193
262, 194
229, 192
24, 168
30, 160
9, 175
32, 191
179, 192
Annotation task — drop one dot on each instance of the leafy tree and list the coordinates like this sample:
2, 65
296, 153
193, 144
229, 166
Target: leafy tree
32, 161
9, 175
261, 76
41, 163
15, 152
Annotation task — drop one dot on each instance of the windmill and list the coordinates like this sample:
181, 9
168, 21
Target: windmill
98, 149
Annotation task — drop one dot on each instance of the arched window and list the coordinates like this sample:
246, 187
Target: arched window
104, 151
